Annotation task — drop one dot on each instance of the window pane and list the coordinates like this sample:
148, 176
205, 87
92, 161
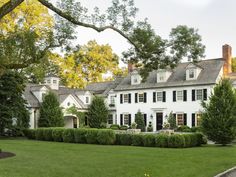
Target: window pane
112, 99
198, 119
180, 95
110, 119
126, 119
199, 94
180, 119
159, 96
141, 97
191, 73
126, 98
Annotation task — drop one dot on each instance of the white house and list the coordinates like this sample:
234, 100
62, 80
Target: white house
67, 97
179, 91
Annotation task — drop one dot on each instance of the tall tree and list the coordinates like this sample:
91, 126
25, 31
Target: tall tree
219, 116
97, 113
12, 104
148, 48
50, 112
87, 64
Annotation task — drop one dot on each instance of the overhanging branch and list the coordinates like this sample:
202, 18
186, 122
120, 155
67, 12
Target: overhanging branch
8, 7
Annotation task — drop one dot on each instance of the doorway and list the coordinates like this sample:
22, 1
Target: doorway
159, 120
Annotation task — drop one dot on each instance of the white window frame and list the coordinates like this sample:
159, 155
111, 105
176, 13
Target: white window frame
199, 94
141, 97
177, 119
126, 119
54, 81
112, 100
191, 73
159, 97
110, 119
87, 100
180, 95
126, 98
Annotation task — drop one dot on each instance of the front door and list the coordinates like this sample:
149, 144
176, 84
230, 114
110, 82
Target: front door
159, 120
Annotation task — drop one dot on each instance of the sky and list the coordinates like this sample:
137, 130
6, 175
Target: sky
214, 19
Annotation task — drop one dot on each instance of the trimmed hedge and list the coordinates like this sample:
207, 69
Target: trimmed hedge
108, 137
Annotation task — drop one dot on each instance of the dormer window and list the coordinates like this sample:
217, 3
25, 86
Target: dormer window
54, 81
163, 75
191, 73
135, 78
49, 81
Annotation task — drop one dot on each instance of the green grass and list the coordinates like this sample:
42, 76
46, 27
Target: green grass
49, 159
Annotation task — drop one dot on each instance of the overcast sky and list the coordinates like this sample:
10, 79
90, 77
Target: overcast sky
215, 20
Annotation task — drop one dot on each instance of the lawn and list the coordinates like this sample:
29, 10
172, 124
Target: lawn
50, 159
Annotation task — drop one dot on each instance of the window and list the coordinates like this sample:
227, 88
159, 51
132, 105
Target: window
43, 95
126, 119
180, 95
159, 96
141, 97
49, 81
191, 73
180, 119
68, 104
110, 119
54, 81
87, 99
199, 94
126, 98
161, 76
135, 80
112, 100
198, 116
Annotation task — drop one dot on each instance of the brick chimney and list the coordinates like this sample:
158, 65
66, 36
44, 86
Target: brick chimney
227, 56
131, 67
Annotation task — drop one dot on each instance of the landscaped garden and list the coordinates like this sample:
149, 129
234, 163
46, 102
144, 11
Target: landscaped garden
40, 158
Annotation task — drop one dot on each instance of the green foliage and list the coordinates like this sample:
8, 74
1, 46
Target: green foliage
150, 127
172, 121
184, 128
106, 137
115, 127
39, 134
124, 127
12, 104
124, 139
161, 140
47, 133
176, 141
219, 116
50, 112
97, 112
57, 134
80, 135
137, 139
68, 135
140, 121
149, 140
92, 136
30, 133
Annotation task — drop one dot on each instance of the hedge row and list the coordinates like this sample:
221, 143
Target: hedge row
108, 137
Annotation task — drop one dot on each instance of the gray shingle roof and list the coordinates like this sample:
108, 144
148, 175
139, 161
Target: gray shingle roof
210, 71
29, 96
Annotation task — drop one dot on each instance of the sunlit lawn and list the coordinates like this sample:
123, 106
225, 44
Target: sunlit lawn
50, 159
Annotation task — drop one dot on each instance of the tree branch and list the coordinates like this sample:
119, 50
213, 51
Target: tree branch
79, 23
8, 7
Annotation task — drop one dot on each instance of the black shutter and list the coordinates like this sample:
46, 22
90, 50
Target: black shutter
145, 97
129, 97
129, 119
154, 97
121, 98
193, 95
136, 97
204, 94
175, 118
185, 95
193, 120
174, 96
174, 115
121, 119
185, 119
164, 96
145, 119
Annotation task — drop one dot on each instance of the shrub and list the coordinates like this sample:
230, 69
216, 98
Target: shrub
47, 134
115, 127
57, 134
140, 121
137, 139
124, 127
201, 139
30, 133
188, 139
124, 139
184, 128
196, 129
176, 141
149, 140
106, 137
91, 136
161, 140
39, 135
68, 135
80, 135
